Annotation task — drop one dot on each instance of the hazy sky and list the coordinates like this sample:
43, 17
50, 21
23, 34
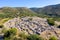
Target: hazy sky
28, 3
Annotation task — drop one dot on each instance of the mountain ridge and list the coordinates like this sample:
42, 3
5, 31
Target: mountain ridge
51, 10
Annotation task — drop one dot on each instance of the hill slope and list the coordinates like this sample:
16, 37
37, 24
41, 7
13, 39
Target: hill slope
51, 10
11, 12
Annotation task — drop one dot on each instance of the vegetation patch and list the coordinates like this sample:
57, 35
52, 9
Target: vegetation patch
53, 38
3, 20
9, 33
34, 37
51, 21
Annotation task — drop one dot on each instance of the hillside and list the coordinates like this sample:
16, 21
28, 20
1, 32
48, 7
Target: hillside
51, 10
11, 12
19, 23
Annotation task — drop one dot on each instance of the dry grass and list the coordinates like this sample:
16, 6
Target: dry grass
3, 20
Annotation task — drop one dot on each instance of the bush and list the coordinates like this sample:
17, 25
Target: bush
6, 39
16, 38
53, 38
51, 21
30, 19
10, 32
34, 37
58, 26
23, 36
1, 26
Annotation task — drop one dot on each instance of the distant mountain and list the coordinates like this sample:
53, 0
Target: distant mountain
51, 10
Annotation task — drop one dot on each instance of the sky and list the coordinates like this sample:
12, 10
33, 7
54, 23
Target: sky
28, 3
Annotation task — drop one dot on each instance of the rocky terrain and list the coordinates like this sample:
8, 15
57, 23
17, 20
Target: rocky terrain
34, 25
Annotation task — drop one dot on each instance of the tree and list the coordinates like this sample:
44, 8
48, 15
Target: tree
23, 36
51, 21
1, 26
53, 38
34, 37
10, 32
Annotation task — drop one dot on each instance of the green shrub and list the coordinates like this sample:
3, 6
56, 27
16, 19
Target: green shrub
6, 38
16, 38
30, 19
51, 21
53, 38
1, 26
10, 32
23, 36
34, 37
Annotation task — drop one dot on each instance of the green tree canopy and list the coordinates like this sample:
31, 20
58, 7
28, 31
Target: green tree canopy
10, 32
53, 38
34, 37
51, 21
